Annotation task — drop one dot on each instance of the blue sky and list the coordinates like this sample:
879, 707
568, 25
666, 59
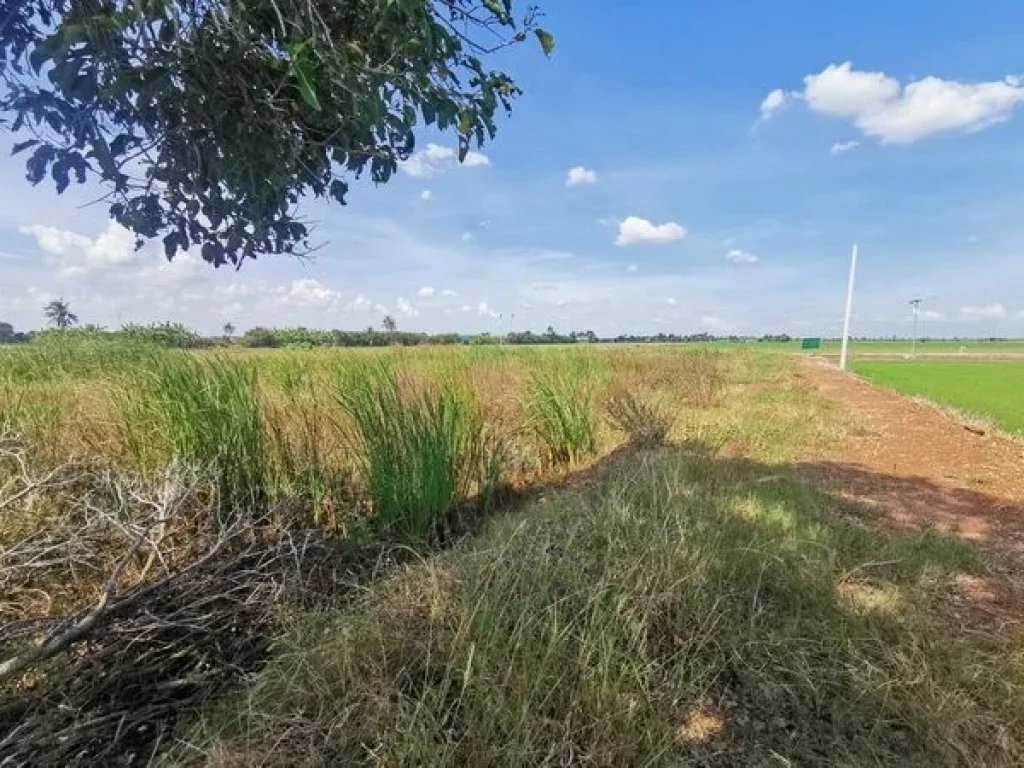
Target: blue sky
726, 157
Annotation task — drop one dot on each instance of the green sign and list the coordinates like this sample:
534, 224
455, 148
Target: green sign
811, 343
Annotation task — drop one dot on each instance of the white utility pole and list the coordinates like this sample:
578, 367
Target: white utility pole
916, 304
844, 353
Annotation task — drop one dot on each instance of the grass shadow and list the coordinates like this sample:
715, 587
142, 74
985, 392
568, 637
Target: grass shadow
668, 606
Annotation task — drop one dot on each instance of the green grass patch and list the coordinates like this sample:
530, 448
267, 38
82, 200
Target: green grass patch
560, 406
422, 446
991, 389
203, 412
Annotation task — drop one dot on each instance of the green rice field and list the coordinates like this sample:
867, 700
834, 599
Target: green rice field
991, 389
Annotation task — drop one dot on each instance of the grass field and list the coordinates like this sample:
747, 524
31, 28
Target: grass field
992, 390
468, 556
972, 347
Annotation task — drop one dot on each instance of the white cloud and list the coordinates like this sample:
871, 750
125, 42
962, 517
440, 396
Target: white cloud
672, 302
476, 159
359, 304
736, 256
634, 230
186, 267
465, 308
773, 102
381, 309
426, 194
425, 292
467, 236
236, 291
632, 268
307, 292
56, 241
437, 159
77, 254
448, 292
881, 107
483, 309
931, 314
841, 147
985, 312
403, 307
429, 162
580, 175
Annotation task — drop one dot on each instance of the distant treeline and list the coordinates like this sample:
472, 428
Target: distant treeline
180, 336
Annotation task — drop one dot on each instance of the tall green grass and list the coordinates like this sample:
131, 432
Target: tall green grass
206, 412
422, 446
58, 357
560, 408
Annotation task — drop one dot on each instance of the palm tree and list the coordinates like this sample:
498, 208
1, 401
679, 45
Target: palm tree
389, 324
59, 313
229, 330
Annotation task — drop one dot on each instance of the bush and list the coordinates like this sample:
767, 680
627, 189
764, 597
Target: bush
171, 335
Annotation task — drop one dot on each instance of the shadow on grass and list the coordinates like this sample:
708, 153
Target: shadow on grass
659, 606
664, 607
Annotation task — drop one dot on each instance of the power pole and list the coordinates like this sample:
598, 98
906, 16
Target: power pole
844, 353
916, 304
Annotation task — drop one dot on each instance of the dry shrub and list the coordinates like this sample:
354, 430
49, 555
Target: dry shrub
125, 606
697, 377
701, 377
646, 424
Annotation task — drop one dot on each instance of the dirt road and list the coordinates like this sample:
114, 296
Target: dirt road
919, 464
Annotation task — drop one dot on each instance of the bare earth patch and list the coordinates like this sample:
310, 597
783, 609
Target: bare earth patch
919, 465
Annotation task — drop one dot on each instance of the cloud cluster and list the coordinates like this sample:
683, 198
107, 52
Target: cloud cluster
308, 292
634, 231
436, 159
881, 107
405, 309
77, 254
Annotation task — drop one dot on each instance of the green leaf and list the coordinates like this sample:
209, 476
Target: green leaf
497, 8
547, 40
306, 89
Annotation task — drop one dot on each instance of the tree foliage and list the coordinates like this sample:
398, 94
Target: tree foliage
207, 121
9, 336
59, 313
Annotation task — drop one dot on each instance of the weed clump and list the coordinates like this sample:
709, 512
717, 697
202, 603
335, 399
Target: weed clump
560, 409
422, 446
646, 424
